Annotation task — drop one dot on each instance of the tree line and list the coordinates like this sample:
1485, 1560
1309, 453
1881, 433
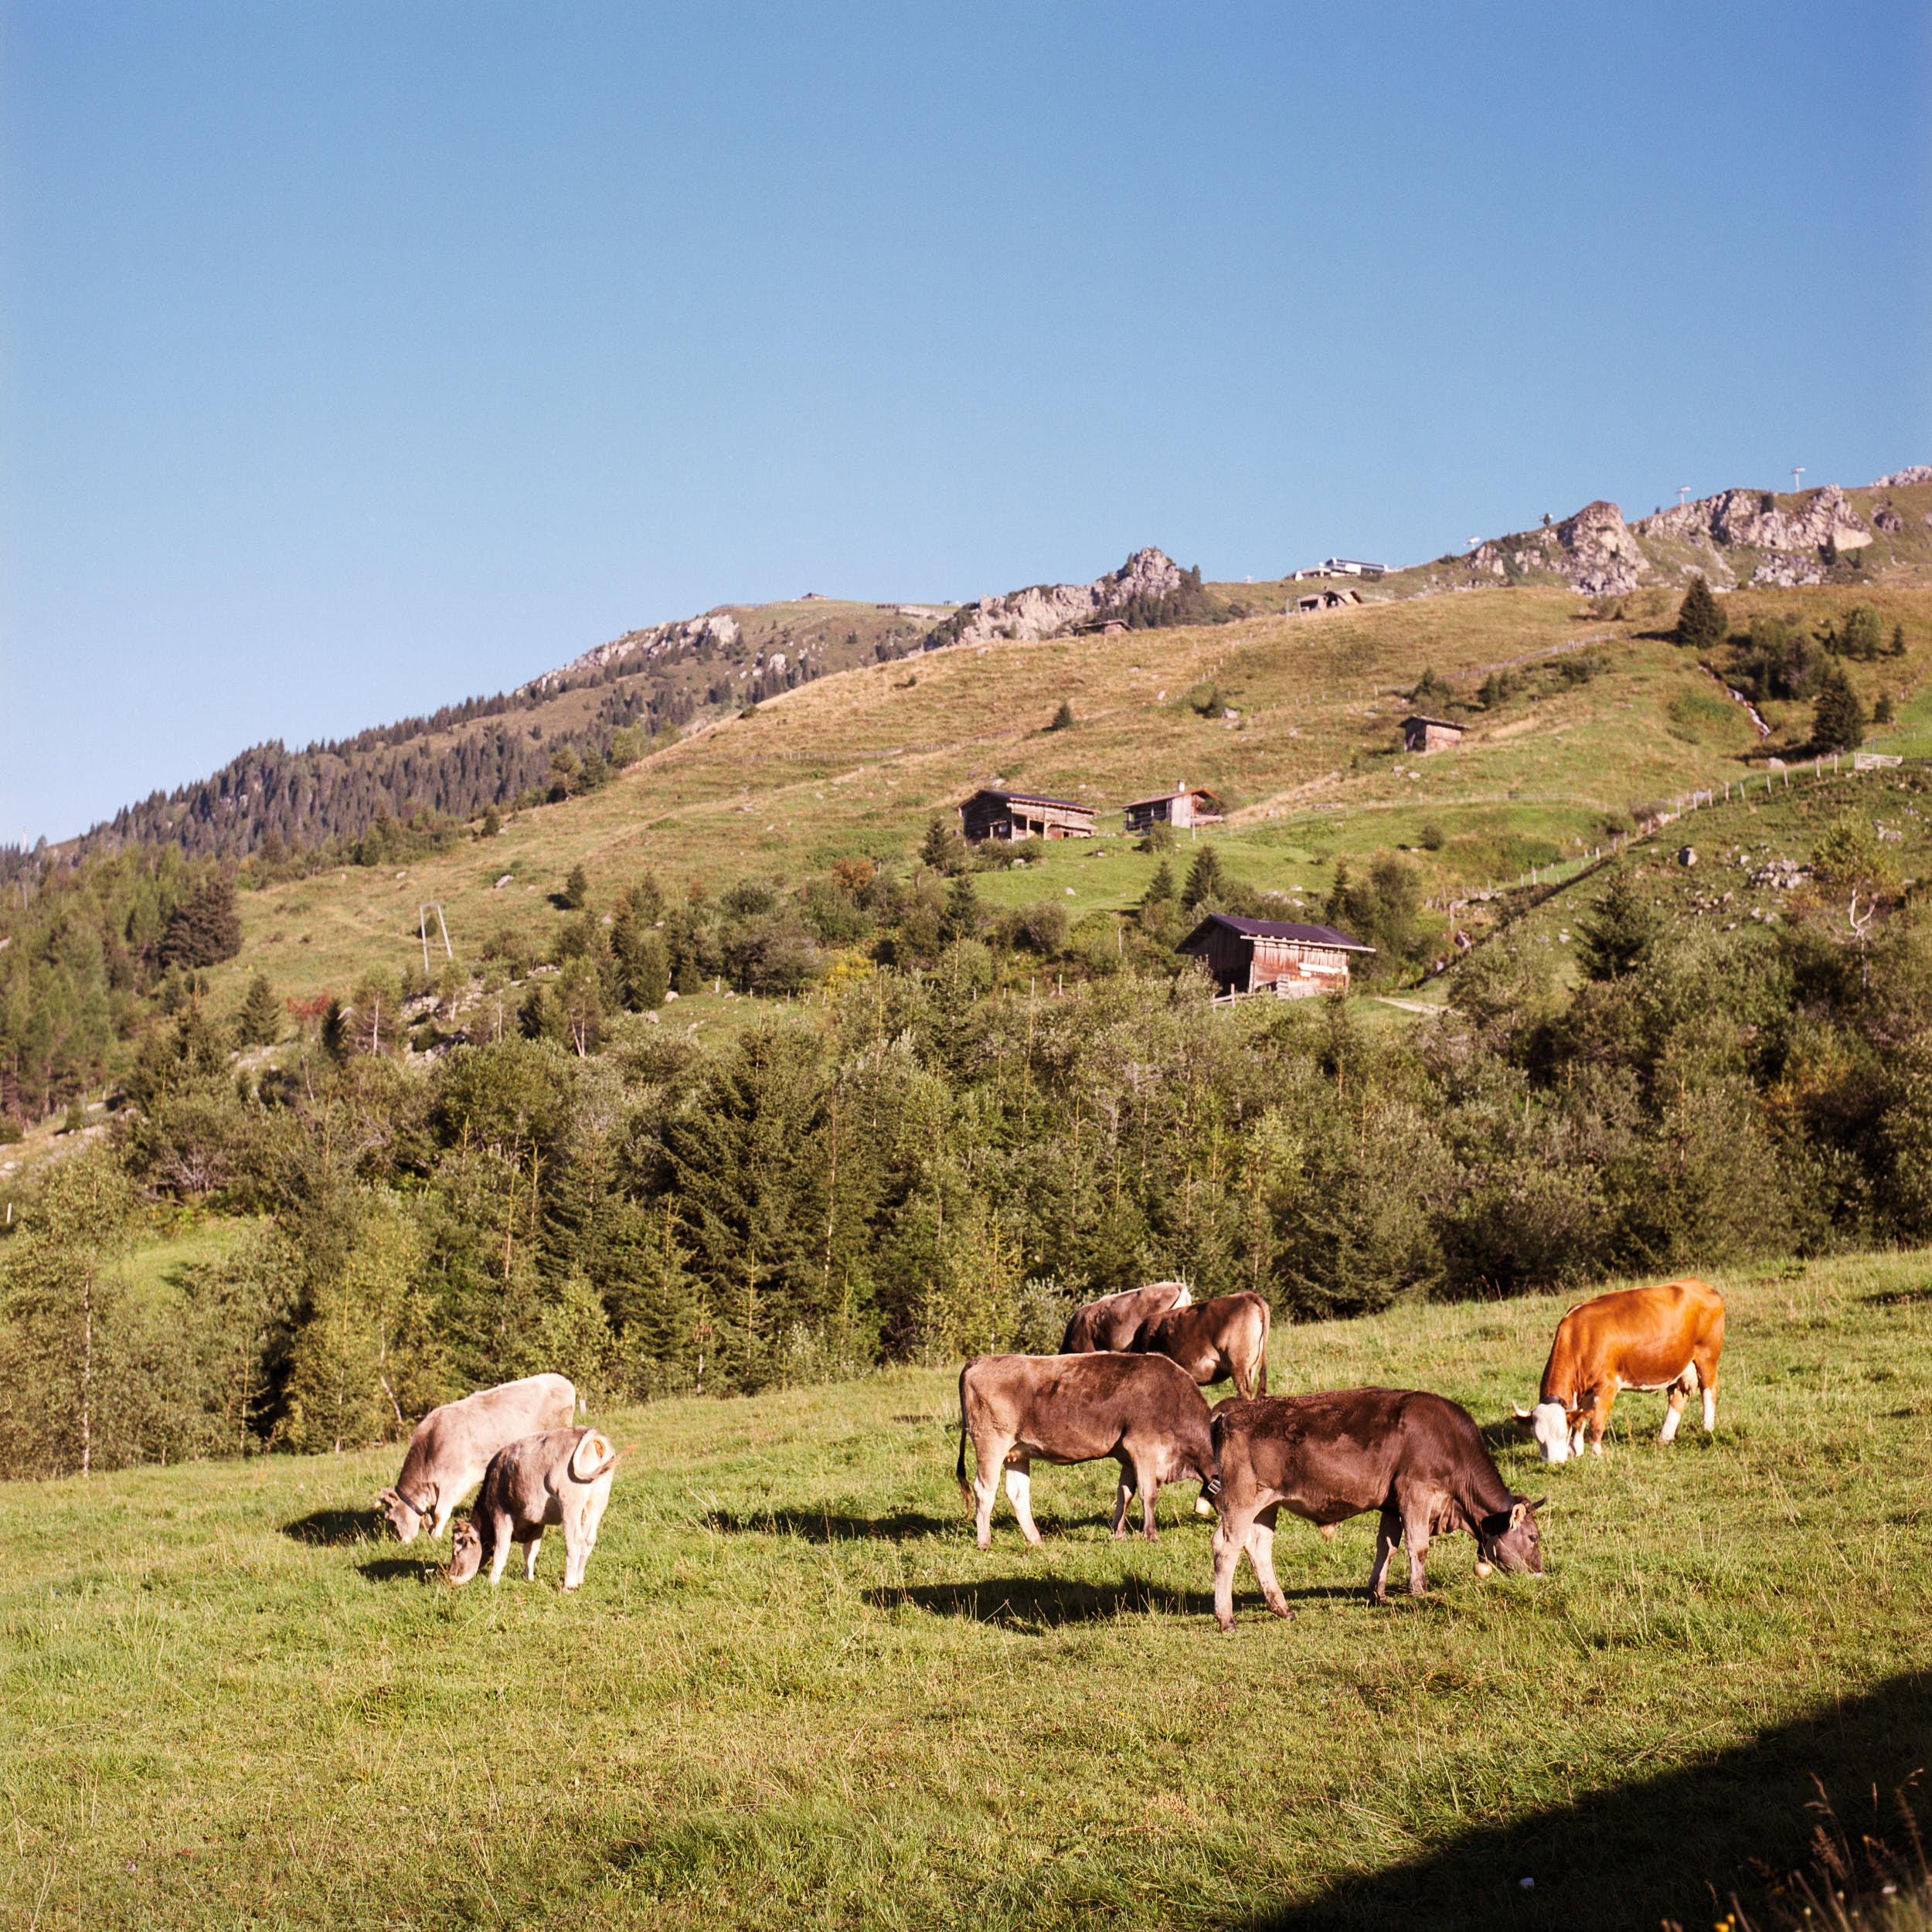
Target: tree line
919, 1161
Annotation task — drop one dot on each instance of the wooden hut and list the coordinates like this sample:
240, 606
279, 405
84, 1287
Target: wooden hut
1429, 734
1185, 805
1273, 956
1022, 814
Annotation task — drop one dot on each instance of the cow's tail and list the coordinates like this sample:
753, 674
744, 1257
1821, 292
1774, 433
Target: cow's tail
959, 1471
594, 1445
1211, 1486
1261, 1374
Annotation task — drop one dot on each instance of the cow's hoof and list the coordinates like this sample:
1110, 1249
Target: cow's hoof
1227, 1625
1283, 1610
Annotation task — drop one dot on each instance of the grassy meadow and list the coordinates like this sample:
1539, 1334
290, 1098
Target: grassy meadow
792, 1692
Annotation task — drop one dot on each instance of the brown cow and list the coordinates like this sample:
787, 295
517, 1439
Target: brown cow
1115, 1320
1213, 1340
453, 1445
1417, 1458
1143, 1411
1666, 1337
561, 1477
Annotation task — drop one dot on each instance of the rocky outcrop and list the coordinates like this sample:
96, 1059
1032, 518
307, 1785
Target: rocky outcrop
1900, 479
716, 627
1795, 541
1599, 555
1046, 608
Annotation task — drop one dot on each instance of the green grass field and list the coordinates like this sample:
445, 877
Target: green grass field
792, 1692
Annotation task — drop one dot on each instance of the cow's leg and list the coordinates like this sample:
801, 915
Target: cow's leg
1710, 1407
1261, 1555
990, 1454
1244, 1374
1415, 1534
1388, 1534
580, 1533
530, 1554
1019, 1491
1123, 1494
439, 1520
1231, 1538
500, 1525
1679, 1395
1147, 1480
1599, 1421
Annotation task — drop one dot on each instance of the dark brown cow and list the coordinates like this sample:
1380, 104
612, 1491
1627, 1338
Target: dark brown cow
1417, 1458
1115, 1320
1142, 1411
1213, 1340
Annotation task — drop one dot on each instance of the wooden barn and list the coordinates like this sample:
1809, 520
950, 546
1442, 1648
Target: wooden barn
1272, 956
1184, 806
1429, 734
1021, 814
1327, 599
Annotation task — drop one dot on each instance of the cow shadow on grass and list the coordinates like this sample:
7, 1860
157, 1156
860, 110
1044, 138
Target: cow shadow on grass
1670, 1850
1037, 1604
829, 1525
399, 1569
333, 1528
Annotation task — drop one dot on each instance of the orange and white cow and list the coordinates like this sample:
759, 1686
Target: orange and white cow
1666, 1337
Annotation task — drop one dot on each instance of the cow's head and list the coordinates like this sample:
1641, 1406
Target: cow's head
1550, 1423
405, 1519
466, 1551
1510, 1537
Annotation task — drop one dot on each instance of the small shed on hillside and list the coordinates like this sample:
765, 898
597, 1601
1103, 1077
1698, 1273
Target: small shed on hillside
1429, 734
1273, 956
1022, 815
1327, 598
1184, 806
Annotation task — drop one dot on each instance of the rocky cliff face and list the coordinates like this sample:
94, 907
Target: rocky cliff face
1794, 541
1047, 607
717, 627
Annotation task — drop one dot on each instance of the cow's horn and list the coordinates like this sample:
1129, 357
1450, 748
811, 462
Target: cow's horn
1539, 1503
1522, 1414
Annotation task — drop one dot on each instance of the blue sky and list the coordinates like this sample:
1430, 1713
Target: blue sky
357, 357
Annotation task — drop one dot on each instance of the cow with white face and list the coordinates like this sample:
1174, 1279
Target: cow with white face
1668, 1337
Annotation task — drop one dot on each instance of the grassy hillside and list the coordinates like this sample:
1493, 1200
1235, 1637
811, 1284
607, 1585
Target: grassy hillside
791, 1691
860, 761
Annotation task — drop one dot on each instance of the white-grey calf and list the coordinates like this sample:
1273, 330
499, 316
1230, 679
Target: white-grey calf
561, 1478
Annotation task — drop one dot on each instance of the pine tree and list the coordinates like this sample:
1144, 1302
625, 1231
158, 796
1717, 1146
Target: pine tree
961, 919
1898, 639
1160, 887
1063, 718
260, 1023
1618, 932
492, 821
1701, 625
205, 928
1863, 633
1838, 720
576, 889
942, 847
1204, 878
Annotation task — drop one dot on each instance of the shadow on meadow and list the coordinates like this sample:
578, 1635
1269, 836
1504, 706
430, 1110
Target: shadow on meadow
1037, 1604
333, 1528
828, 1525
1671, 1849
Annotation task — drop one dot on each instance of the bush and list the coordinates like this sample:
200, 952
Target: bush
1062, 719
1433, 837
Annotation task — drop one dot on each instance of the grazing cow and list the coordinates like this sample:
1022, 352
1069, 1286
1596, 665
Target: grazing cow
1213, 1340
1667, 1336
1418, 1458
562, 1476
1116, 1320
1142, 1411
453, 1445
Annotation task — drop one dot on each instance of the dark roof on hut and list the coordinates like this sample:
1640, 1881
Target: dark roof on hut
1031, 799
1276, 929
1447, 724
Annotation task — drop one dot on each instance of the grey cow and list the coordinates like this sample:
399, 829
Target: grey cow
453, 1445
559, 1479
